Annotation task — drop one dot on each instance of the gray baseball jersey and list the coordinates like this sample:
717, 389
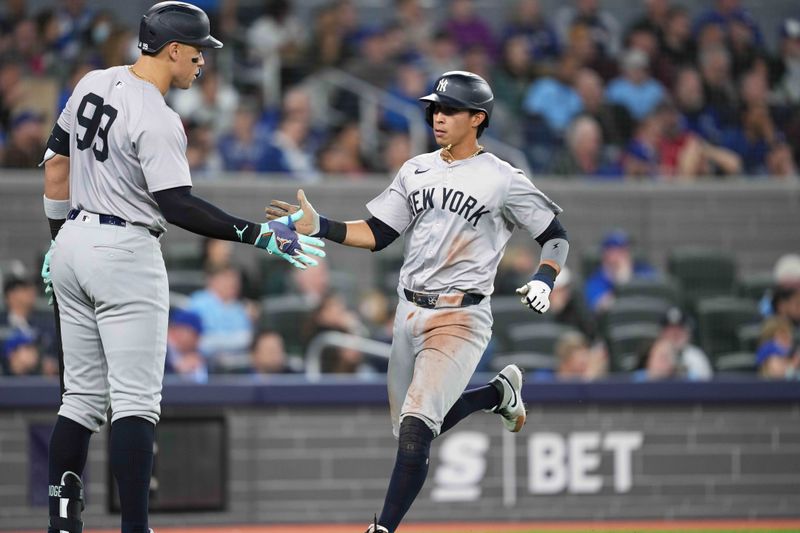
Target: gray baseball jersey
109, 278
125, 144
458, 218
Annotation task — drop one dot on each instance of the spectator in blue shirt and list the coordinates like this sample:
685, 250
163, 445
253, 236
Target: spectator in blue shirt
244, 148
409, 82
554, 98
760, 144
227, 326
617, 267
636, 89
690, 100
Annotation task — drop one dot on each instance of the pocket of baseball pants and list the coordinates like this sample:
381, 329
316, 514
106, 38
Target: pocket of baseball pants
113, 251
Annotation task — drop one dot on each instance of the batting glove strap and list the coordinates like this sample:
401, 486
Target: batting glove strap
546, 274
277, 238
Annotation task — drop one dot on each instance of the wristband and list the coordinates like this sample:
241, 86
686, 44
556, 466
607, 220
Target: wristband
546, 274
332, 230
55, 209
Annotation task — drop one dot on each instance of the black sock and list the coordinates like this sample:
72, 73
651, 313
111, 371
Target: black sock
132, 464
69, 446
485, 397
410, 471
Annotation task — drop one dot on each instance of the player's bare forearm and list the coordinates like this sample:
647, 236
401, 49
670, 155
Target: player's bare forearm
56, 178
359, 235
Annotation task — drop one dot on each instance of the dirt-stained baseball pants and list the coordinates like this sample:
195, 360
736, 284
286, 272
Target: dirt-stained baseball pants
434, 354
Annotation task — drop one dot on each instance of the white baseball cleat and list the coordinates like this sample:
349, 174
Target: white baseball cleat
511, 407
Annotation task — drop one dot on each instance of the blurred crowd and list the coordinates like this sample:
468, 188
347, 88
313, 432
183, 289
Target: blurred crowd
672, 96
618, 316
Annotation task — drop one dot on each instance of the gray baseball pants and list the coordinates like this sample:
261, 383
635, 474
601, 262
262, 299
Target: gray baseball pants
434, 354
113, 297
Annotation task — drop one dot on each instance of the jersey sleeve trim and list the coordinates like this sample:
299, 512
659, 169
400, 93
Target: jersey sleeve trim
171, 185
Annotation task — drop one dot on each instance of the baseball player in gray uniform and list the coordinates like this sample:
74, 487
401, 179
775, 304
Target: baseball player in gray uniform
458, 207
115, 173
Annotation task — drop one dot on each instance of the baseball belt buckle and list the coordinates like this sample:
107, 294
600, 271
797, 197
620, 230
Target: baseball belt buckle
431, 299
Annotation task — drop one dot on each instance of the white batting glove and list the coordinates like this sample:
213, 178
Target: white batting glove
536, 295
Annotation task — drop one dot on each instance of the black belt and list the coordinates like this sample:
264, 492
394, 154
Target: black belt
429, 301
110, 220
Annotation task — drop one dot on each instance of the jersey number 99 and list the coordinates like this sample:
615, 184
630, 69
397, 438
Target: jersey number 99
91, 119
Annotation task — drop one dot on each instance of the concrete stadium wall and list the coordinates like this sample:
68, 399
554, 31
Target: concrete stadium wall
757, 221
294, 453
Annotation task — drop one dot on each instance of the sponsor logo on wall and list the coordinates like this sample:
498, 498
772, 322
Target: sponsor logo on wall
556, 464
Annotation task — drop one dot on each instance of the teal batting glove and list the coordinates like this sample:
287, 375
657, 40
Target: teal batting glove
48, 282
278, 238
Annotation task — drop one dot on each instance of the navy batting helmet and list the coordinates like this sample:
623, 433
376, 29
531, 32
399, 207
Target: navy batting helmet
462, 90
166, 22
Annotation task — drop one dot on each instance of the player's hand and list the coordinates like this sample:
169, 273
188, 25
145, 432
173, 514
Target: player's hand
307, 223
536, 295
48, 282
278, 238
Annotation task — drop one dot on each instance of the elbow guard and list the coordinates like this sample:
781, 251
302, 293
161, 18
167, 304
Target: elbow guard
58, 141
383, 233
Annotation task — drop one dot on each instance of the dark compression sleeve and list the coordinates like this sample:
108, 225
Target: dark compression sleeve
383, 232
194, 214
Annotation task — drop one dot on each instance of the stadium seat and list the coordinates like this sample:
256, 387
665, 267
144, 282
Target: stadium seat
288, 316
275, 276
748, 336
754, 286
635, 309
627, 342
702, 273
719, 320
183, 256
661, 287
539, 337
736, 362
507, 312
186, 281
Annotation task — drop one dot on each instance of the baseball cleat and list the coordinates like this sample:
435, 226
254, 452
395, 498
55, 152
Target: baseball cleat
511, 407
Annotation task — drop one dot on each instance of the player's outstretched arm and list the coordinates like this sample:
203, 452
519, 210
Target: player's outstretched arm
278, 237
372, 234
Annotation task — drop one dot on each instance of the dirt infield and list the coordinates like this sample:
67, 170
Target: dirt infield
693, 526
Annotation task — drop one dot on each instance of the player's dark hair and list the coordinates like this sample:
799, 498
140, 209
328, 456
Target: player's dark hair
482, 125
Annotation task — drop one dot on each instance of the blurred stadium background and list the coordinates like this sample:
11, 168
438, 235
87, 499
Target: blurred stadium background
664, 383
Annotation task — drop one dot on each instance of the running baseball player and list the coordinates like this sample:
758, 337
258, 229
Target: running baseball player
115, 173
458, 207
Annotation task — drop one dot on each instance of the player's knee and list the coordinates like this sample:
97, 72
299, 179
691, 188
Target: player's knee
69, 497
85, 410
414, 445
